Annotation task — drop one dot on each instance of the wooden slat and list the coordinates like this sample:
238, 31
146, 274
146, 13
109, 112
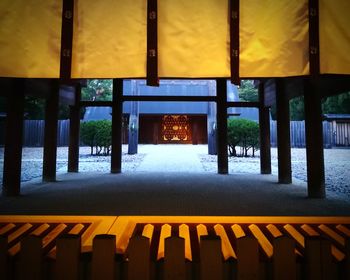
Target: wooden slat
103, 254
275, 232
138, 256
30, 266
262, 239
284, 258
326, 260
184, 232
211, 265
295, 234
331, 233
226, 247
174, 258
53, 234
40, 230
165, 232
148, 231
309, 230
343, 229
3, 256
238, 231
23, 229
76, 229
67, 260
5, 229
247, 258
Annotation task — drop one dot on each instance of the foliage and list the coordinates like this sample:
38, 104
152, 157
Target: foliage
339, 104
244, 133
247, 91
97, 90
97, 134
296, 108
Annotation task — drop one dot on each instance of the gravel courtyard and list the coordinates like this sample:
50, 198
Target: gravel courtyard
183, 158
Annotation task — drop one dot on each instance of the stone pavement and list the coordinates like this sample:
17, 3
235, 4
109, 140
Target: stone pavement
171, 158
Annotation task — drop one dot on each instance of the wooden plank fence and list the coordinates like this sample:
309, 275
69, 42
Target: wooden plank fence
225, 250
334, 134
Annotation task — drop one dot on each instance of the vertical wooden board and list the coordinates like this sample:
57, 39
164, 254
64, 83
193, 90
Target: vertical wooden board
327, 265
174, 259
67, 257
3, 256
211, 265
313, 258
103, 257
347, 260
30, 266
284, 259
247, 258
138, 255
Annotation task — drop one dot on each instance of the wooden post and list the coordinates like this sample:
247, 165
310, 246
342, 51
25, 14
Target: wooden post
138, 254
74, 131
221, 91
211, 266
174, 258
103, 254
314, 141
134, 122
264, 126
68, 257
247, 258
50, 134
283, 134
284, 259
117, 120
13, 140
31, 258
3, 257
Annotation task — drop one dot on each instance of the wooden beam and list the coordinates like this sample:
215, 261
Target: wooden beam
221, 92
152, 43
283, 134
167, 98
50, 133
314, 141
264, 129
314, 41
234, 41
117, 119
74, 131
66, 40
13, 140
243, 104
95, 103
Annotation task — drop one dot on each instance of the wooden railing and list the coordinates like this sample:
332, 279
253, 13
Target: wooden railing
164, 248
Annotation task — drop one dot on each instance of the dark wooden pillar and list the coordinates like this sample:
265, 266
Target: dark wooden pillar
74, 131
221, 91
50, 134
314, 141
283, 134
133, 122
13, 140
117, 119
264, 126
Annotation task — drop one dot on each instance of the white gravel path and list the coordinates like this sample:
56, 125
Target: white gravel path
190, 158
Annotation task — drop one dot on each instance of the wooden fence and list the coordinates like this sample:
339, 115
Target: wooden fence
153, 250
334, 134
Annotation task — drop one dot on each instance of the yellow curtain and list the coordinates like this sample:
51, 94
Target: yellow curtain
273, 38
109, 38
30, 34
335, 36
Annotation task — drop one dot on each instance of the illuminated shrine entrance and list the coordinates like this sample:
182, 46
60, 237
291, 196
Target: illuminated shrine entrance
173, 129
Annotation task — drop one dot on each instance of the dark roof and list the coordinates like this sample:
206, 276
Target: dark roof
330, 117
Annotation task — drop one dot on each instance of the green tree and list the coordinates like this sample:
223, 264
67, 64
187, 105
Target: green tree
243, 133
338, 104
97, 90
103, 137
247, 91
88, 134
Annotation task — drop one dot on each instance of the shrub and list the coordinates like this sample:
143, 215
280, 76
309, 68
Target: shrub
97, 134
88, 133
244, 133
